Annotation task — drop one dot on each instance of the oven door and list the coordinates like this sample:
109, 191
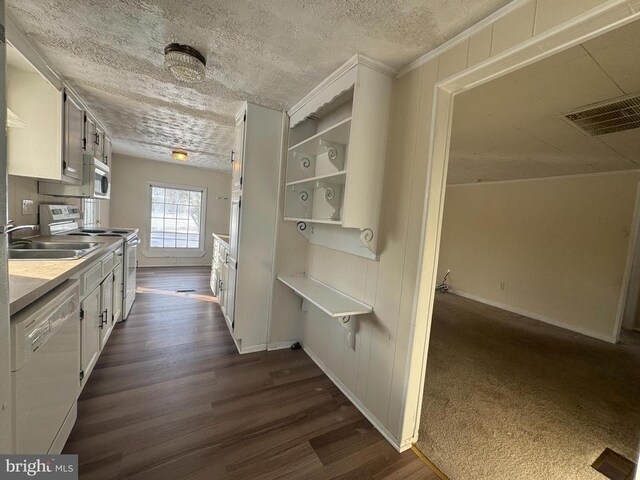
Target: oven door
130, 263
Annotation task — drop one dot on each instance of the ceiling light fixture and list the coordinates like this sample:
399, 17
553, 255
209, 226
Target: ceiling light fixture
179, 155
185, 63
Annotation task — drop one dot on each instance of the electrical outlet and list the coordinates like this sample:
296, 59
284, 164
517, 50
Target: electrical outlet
28, 207
502, 286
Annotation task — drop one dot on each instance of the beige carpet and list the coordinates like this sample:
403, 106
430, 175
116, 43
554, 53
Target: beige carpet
508, 397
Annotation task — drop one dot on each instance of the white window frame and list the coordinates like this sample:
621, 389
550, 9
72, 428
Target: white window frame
93, 204
167, 252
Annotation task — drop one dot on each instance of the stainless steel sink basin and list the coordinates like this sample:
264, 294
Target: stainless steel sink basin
54, 246
46, 254
50, 250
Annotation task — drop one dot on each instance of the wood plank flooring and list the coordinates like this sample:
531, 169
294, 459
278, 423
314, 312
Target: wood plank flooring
170, 398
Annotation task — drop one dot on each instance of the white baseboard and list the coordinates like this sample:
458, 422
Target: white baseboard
280, 345
400, 447
252, 349
535, 316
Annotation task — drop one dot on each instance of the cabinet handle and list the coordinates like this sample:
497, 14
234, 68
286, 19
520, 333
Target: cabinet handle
97, 139
232, 156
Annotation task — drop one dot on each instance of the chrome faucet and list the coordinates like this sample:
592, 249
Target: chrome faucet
10, 228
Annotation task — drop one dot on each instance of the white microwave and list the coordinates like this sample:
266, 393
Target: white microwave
96, 182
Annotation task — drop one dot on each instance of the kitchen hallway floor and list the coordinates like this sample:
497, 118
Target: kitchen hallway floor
170, 398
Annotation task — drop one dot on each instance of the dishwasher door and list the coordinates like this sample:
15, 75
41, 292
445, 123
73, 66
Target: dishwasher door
45, 368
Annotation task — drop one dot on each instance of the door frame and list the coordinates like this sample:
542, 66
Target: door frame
608, 16
630, 290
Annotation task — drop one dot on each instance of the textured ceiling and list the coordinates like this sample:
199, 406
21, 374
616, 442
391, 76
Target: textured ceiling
267, 52
512, 128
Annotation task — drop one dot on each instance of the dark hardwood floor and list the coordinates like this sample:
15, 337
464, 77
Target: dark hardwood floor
170, 398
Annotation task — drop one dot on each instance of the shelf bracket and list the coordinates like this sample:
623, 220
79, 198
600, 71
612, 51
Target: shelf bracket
367, 238
304, 229
348, 322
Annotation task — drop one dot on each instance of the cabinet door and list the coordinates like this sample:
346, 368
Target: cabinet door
118, 289
106, 309
231, 293
90, 338
73, 137
224, 273
237, 156
89, 134
99, 147
234, 224
107, 151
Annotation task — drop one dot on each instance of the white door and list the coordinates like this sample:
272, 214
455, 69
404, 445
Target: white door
234, 225
73, 137
6, 439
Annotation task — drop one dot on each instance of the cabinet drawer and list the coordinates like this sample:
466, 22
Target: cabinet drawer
117, 259
108, 263
90, 278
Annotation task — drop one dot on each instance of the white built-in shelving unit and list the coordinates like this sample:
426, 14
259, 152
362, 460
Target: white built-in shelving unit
336, 156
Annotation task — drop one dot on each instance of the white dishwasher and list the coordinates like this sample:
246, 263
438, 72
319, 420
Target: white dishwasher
45, 364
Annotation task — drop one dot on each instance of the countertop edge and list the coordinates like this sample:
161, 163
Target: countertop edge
27, 299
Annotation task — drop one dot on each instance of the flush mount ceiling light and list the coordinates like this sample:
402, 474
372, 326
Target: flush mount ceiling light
180, 155
185, 63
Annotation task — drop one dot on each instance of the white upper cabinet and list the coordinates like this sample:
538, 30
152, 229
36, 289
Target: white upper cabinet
337, 152
237, 163
35, 135
73, 137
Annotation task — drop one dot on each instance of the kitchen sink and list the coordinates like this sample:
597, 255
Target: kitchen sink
46, 254
54, 246
50, 250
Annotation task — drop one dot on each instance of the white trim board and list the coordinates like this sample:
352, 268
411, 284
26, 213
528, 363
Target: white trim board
280, 345
462, 36
541, 179
358, 404
535, 316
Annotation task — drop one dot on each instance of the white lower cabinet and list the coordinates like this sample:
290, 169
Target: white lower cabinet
106, 309
91, 321
118, 293
100, 308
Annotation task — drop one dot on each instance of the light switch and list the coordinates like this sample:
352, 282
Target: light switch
28, 207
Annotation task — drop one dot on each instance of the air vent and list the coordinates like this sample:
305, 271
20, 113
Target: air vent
608, 117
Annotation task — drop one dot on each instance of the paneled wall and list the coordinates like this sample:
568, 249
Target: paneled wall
382, 374
552, 249
129, 201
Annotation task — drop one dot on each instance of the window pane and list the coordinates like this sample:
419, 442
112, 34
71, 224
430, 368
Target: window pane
196, 198
194, 241
183, 211
157, 210
171, 196
169, 241
183, 197
157, 194
175, 218
170, 210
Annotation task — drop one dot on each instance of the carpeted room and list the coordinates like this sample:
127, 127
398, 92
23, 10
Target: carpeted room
523, 378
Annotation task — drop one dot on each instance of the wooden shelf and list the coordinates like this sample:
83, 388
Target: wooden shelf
338, 133
330, 301
337, 178
313, 220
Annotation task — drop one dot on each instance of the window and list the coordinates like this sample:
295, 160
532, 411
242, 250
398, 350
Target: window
90, 212
177, 217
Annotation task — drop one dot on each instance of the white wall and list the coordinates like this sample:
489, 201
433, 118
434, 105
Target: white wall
558, 245
129, 200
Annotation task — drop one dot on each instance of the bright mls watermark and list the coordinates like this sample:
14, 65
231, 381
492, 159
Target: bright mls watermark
50, 467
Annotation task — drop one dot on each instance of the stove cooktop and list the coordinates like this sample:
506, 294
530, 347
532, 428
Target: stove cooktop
95, 232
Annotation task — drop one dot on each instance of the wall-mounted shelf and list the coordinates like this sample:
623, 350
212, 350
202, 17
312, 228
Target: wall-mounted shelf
338, 133
337, 178
330, 301
311, 220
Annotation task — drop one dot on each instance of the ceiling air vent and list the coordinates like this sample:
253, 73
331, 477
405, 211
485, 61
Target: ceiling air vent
608, 117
